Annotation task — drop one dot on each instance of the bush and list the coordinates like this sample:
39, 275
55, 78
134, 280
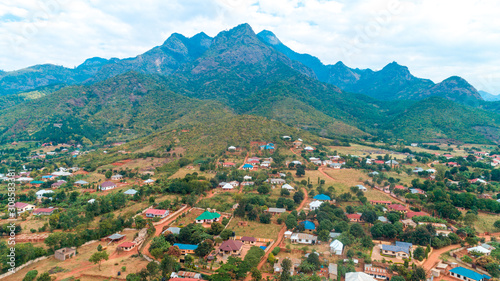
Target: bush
276, 251
30, 276
467, 259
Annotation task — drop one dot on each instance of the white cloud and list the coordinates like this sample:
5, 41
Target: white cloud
435, 39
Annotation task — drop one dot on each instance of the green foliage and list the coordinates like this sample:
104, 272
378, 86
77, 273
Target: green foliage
31, 275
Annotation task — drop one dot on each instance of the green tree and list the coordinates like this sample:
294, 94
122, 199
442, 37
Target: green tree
226, 233
44, 277
98, 257
31, 275
291, 222
108, 174
286, 266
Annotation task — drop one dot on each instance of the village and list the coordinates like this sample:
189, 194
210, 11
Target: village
263, 210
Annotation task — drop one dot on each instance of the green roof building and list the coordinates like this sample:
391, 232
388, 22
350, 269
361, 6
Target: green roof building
208, 217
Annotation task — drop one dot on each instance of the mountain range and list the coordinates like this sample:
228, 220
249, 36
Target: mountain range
237, 73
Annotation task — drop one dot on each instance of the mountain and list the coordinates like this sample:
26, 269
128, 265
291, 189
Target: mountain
489, 97
393, 82
238, 76
164, 59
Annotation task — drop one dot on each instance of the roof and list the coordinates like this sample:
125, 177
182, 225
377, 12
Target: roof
126, 244
131, 192
208, 216
107, 184
183, 279
322, 197
36, 182
276, 210
361, 187
247, 166
43, 210
415, 214
81, 182
316, 203
115, 236
231, 245
399, 247
248, 238
353, 216
469, 273
20, 205
334, 234
156, 212
287, 186
186, 246
309, 225
174, 230
479, 249
397, 207
358, 276
228, 186
337, 245
332, 268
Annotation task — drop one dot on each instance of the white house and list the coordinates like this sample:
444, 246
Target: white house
479, 249
314, 205
116, 177
336, 247
227, 186
107, 185
247, 178
303, 238
361, 187
287, 186
41, 193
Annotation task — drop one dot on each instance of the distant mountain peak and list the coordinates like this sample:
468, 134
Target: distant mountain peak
269, 37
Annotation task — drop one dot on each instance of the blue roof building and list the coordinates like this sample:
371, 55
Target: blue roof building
467, 274
322, 197
399, 250
308, 225
248, 166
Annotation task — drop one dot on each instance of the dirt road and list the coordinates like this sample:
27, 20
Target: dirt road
320, 169
434, 258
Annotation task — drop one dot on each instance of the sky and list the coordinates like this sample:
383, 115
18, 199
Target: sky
436, 39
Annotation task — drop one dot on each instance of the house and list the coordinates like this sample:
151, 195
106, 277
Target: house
448, 156
308, 149
248, 240
400, 187
276, 181
336, 165
131, 192
417, 170
380, 202
247, 183
308, 225
172, 229
58, 183
91, 201
126, 246
408, 222
417, 191
416, 214
156, 213
208, 217
149, 181
114, 237
336, 247
44, 211
452, 164
234, 183
400, 250
228, 164
40, 194
186, 248
314, 205
233, 148
295, 162
116, 177
247, 178
478, 181
392, 163
227, 187
23, 207
414, 144
247, 167
397, 208
358, 276
276, 211
354, 217
383, 219
81, 182
467, 274
36, 183
65, 253
230, 247
479, 249
107, 185
322, 197
361, 187
332, 271
297, 144
183, 275
303, 238
377, 272
287, 186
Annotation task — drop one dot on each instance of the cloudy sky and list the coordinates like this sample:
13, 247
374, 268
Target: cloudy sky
435, 39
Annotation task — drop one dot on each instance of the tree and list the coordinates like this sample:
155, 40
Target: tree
98, 257
357, 230
44, 277
397, 278
203, 249
174, 251
226, 233
324, 235
265, 218
216, 228
31, 275
263, 189
419, 253
108, 174
298, 197
99, 247
497, 224
286, 266
291, 222
369, 216
256, 274
300, 171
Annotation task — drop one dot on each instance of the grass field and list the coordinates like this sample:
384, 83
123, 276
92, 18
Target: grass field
485, 223
255, 229
364, 151
223, 202
182, 172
